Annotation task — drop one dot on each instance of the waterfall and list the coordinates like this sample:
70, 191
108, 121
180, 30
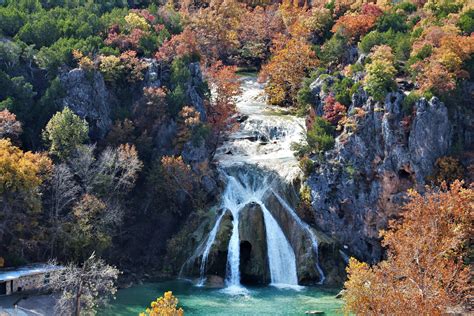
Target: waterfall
254, 162
205, 254
312, 236
281, 256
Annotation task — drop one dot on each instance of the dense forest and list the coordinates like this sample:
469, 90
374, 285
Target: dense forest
111, 113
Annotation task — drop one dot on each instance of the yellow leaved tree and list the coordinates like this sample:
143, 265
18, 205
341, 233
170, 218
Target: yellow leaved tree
167, 305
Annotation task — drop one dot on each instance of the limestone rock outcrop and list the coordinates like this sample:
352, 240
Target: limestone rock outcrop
88, 97
359, 185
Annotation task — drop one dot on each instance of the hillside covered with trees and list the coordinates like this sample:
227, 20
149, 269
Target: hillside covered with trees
111, 114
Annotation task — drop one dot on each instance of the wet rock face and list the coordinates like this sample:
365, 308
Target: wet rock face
253, 246
88, 97
358, 187
217, 260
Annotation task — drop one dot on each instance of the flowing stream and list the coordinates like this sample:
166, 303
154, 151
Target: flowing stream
255, 162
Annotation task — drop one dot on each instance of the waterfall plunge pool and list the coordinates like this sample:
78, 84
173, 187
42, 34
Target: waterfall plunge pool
194, 300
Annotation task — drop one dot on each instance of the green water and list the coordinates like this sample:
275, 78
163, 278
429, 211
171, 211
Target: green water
202, 301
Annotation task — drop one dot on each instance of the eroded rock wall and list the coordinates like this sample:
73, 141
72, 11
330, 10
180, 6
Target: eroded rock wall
359, 185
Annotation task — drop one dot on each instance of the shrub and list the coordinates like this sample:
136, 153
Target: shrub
466, 21
409, 102
333, 51
320, 137
371, 40
167, 305
64, 132
447, 169
306, 165
341, 89
333, 111
392, 21
11, 20
408, 7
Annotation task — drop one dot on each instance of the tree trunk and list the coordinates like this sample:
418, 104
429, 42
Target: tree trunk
78, 301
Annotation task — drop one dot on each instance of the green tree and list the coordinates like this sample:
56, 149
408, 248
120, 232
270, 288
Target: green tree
11, 20
320, 137
64, 132
466, 21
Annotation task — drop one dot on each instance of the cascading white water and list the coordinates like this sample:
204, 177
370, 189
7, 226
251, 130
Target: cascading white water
261, 146
207, 249
312, 236
281, 256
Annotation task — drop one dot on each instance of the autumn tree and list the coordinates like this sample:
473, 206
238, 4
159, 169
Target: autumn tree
177, 175
425, 271
354, 26
380, 72
447, 169
60, 194
9, 126
225, 87
333, 110
90, 226
286, 70
189, 120
84, 288
256, 31
165, 305
111, 175
216, 28
21, 176
438, 57
179, 45
64, 131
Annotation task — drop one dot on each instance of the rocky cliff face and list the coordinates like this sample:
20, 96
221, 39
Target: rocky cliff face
358, 186
88, 97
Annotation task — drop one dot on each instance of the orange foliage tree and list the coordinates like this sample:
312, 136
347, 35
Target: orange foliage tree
226, 86
286, 70
425, 272
9, 126
446, 52
258, 27
179, 45
177, 175
354, 26
216, 28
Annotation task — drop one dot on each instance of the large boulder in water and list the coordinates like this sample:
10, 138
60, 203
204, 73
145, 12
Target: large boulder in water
253, 246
